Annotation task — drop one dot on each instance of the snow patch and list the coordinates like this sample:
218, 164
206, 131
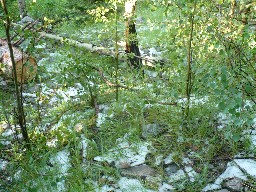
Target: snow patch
165, 187
52, 143
169, 159
194, 101
132, 154
8, 133
191, 173
61, 161
159, 160
253, 140
131, 185
3, 164
105, 188
179, 175
230, 172
83, 146
211, 187
247, 165
102, 116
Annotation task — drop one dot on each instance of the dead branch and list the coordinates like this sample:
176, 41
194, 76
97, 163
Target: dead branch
108, 82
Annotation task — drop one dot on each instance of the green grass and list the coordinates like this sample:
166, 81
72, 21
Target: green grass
197, 135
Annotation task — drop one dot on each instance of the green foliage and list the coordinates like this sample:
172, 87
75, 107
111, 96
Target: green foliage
223, 84
47, 8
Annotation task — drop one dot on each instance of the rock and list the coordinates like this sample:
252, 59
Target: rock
233, 184
223, 190
168, 159
3, 164
123, 164
142, 171
126, 184
211, 187
158, 160
26, 66
231, 171
153, 182
140, 20
172, 168
150, 130
191, 173
166, 188
247, 165
78, 127
131, 154
179, 175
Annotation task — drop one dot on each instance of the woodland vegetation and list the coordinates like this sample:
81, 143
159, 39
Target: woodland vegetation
77, 78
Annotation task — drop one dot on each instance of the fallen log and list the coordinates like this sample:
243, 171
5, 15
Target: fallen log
26, 66
146, 60
150, 61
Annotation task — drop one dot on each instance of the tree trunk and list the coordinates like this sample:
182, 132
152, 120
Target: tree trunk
131, 40
22, 8
21, 115
26, 67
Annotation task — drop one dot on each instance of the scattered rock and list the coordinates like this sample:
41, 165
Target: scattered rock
231, 172
153, 182
223, 190
142, 171
168, 159
158, 160
211, 187
140, 20
131, 154
166, 188
150, 130
171, 169
135, 185
191, 173
61, 161
3, 164
233, 184
247, 165
179, 175
78, 127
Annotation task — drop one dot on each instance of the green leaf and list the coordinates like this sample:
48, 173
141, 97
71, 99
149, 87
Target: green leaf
236, 137
153, 7
222, 105
248, 88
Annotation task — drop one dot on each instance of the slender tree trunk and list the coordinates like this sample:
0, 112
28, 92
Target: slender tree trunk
132, 47
116, 54
22, 8
21, 115
189, 61
233, 8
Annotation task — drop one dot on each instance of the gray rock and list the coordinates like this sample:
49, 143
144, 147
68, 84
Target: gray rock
141, 171
140, 20
223, 190
153, 182
172, 168
26, 19
233, 184
150, 130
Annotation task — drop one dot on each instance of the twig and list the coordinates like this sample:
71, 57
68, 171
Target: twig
108, 82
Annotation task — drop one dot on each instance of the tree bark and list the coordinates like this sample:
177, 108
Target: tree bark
21, 116
132, 48
26, 67
148, 61
22, 8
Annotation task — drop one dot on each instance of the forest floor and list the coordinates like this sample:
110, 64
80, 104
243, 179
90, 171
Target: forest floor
138, 143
